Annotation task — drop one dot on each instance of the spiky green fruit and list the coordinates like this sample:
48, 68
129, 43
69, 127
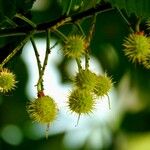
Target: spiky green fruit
7, 80
81, 102
137, 47
74, 46
104, 84
85, 79
42, 110
146, 62
148, 24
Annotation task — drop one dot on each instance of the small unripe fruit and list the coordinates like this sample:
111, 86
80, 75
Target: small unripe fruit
74, 46
104, 84
146, 62
81, 102
137, 47
148, 24
85, 79
42, 110
7, 80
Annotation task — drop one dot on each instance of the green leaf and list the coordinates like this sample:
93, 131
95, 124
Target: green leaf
88, 4
64, 4
139, 7
78, 5
8, 8
24, 5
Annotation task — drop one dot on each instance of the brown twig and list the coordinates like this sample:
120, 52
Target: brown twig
22, 30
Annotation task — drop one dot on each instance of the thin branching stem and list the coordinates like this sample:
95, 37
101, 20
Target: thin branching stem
80, 28
125, 20
69, 7
48, 50
12, 23
78, 120
137, 27
109, 105
91, 31
88, 40
22, 30
78, 61
39, 85
20, 45
87, 58
26, 20
47, 129
61, 35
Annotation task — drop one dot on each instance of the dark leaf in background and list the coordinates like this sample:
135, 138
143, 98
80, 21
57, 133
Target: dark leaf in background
139, 7
24, 5
134, 122
8, 46
8, 8
78, 5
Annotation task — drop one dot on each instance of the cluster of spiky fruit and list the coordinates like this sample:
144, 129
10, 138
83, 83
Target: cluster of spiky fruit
7, 80
88, 86
82, 99
137, 48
